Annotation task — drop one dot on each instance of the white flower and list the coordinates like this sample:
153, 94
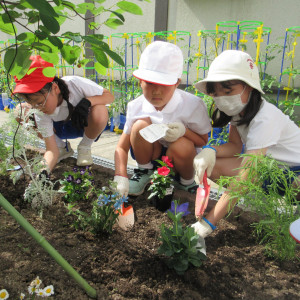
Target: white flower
4, 294
48, 290
36, 282
40, 292
22, 296
31, 290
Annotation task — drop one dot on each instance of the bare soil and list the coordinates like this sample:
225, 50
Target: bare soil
125, 265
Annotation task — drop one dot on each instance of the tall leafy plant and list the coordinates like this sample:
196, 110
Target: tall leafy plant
42, 23
261, 192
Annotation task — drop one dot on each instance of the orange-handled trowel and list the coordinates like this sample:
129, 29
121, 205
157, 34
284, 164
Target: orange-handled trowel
202, 197
126, 217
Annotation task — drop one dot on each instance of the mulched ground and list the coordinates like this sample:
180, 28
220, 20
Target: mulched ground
125, 265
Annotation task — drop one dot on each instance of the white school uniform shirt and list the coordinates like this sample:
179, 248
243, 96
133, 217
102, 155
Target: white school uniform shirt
79, 88
182, 107
272, 129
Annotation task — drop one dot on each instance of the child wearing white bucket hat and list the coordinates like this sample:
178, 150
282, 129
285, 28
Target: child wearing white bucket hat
184, 114
233, 82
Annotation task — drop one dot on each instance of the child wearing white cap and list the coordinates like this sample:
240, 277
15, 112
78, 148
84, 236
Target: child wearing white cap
233, 82
186, 116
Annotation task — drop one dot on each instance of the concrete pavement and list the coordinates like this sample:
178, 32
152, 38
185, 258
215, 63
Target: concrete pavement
104, 147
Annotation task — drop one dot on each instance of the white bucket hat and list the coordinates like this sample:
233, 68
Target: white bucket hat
160, 63
232, 65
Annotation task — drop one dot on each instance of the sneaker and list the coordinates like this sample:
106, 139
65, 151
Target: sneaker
84, 156
139, 181
192, 188
65, 152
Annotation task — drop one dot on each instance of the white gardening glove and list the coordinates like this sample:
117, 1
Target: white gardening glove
203, 229
122, 185
203, 161
174, 132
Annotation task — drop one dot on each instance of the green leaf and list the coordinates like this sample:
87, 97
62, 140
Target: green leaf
76, 37
50, 23
100, 56
97, 10
32, 16
100, 69
130, 7
69, 5
95, 40
50, 57
25, 36
7, 27
70, 53
41, 35
55, 41
86, 6
115, 57
17, 63
41, 47
120, 16
49, 72
113, 23
43, 7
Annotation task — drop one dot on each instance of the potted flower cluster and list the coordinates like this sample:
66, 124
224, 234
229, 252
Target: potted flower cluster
161, 186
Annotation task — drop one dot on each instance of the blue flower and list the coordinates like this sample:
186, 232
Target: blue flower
120, 201
70, 178
82, 172
78, 181
103, 200
75, 169
180, 208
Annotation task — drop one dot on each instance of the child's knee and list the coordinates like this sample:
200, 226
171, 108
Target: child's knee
99, 113
140, 124
183, 148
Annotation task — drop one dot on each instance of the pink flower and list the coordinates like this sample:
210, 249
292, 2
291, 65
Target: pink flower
163, 171
167, 160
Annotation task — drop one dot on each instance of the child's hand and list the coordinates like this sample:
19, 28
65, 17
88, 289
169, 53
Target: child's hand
205, 160
122, 185
80, 114
174, 132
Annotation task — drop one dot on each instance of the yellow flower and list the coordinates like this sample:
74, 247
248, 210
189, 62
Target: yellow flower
6, 108
4, 294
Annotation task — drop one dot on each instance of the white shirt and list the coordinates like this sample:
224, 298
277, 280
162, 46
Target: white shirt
272, 129
79, 88
182, 107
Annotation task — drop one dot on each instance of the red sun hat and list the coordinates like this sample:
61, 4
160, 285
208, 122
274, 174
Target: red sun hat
36, 80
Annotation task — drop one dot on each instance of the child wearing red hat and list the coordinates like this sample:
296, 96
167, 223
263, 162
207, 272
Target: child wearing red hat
72, 107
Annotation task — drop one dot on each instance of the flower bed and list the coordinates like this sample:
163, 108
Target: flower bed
125, 264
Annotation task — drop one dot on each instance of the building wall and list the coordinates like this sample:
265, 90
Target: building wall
195, 15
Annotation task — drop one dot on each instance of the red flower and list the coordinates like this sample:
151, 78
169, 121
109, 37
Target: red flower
167, 160
163, 171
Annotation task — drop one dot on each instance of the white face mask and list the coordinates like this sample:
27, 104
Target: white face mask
230, 105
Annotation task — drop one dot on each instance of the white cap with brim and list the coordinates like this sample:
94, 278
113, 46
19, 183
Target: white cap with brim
232, 65
160, 63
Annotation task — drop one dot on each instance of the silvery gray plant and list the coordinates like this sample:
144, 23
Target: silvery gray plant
23, 136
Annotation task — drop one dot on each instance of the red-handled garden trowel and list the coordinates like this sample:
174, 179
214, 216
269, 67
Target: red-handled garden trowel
202, 197
126, 217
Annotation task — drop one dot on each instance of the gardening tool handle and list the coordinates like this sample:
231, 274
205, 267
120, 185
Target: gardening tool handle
205, 184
